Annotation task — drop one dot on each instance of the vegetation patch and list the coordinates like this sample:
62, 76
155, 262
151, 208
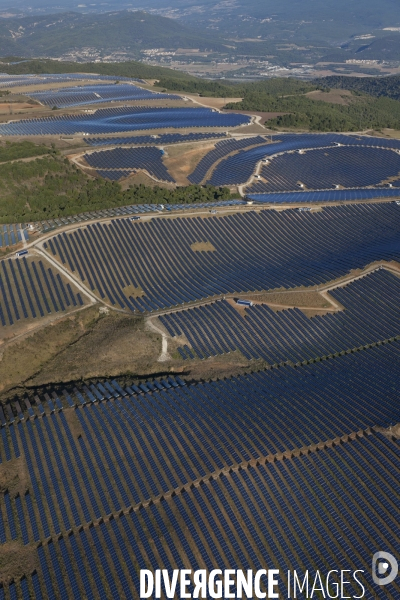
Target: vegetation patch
16, 150
52, 187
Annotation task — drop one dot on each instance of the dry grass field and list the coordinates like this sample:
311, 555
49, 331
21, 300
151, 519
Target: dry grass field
334, 96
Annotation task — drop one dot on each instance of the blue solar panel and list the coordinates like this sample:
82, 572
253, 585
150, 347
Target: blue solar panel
95, 94
250, 250
113, 120
148, 159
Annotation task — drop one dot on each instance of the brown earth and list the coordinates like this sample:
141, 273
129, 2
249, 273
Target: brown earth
182, 160
144, 179
115, 345
265, 116
293, 298
202, 247
11, 108
131, 290
14, 476
16, 560
252, 128
23, 360
343, 97
211, 102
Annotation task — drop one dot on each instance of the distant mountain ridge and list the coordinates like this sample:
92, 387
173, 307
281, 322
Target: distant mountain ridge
131, 32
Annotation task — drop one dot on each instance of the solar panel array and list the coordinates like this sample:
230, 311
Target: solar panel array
253, 251
84, 491
30, 290
221, 149
346, 166
10, 235
324, 196
371, 313
94, 94
10, 81
238, 169
114, 120
162, 139
148, 159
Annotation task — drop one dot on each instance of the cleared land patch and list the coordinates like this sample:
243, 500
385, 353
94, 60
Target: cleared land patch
131, 290
335, 96
202, 247
115, 345
22, 360
181, 160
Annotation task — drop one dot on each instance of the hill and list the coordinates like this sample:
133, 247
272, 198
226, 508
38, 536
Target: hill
374, 86
125, 31
50, 187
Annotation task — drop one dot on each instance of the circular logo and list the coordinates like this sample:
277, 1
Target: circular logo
381, 562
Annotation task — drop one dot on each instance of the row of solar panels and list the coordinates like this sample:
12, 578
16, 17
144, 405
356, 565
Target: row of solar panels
9, 81
325, 196
164, 139
317, 169
94, 94
371, 314
148, 159
134, 209
10, 235
123, 119
89, 393
238, 169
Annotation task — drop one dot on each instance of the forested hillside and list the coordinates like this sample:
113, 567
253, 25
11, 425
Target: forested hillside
360, 113
51, 187
374, 86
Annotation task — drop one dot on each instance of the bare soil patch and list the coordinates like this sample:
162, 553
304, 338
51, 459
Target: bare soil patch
14, 476
11, 108
202, 247
294, 298
182, 160
212, 102
131, 290
17, 560
253, 128
115, 345
343, 97
142, 178
265, 116
226, 365
23, 360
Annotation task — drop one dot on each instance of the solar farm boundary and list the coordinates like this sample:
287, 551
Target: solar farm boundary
315, 205
325, 288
